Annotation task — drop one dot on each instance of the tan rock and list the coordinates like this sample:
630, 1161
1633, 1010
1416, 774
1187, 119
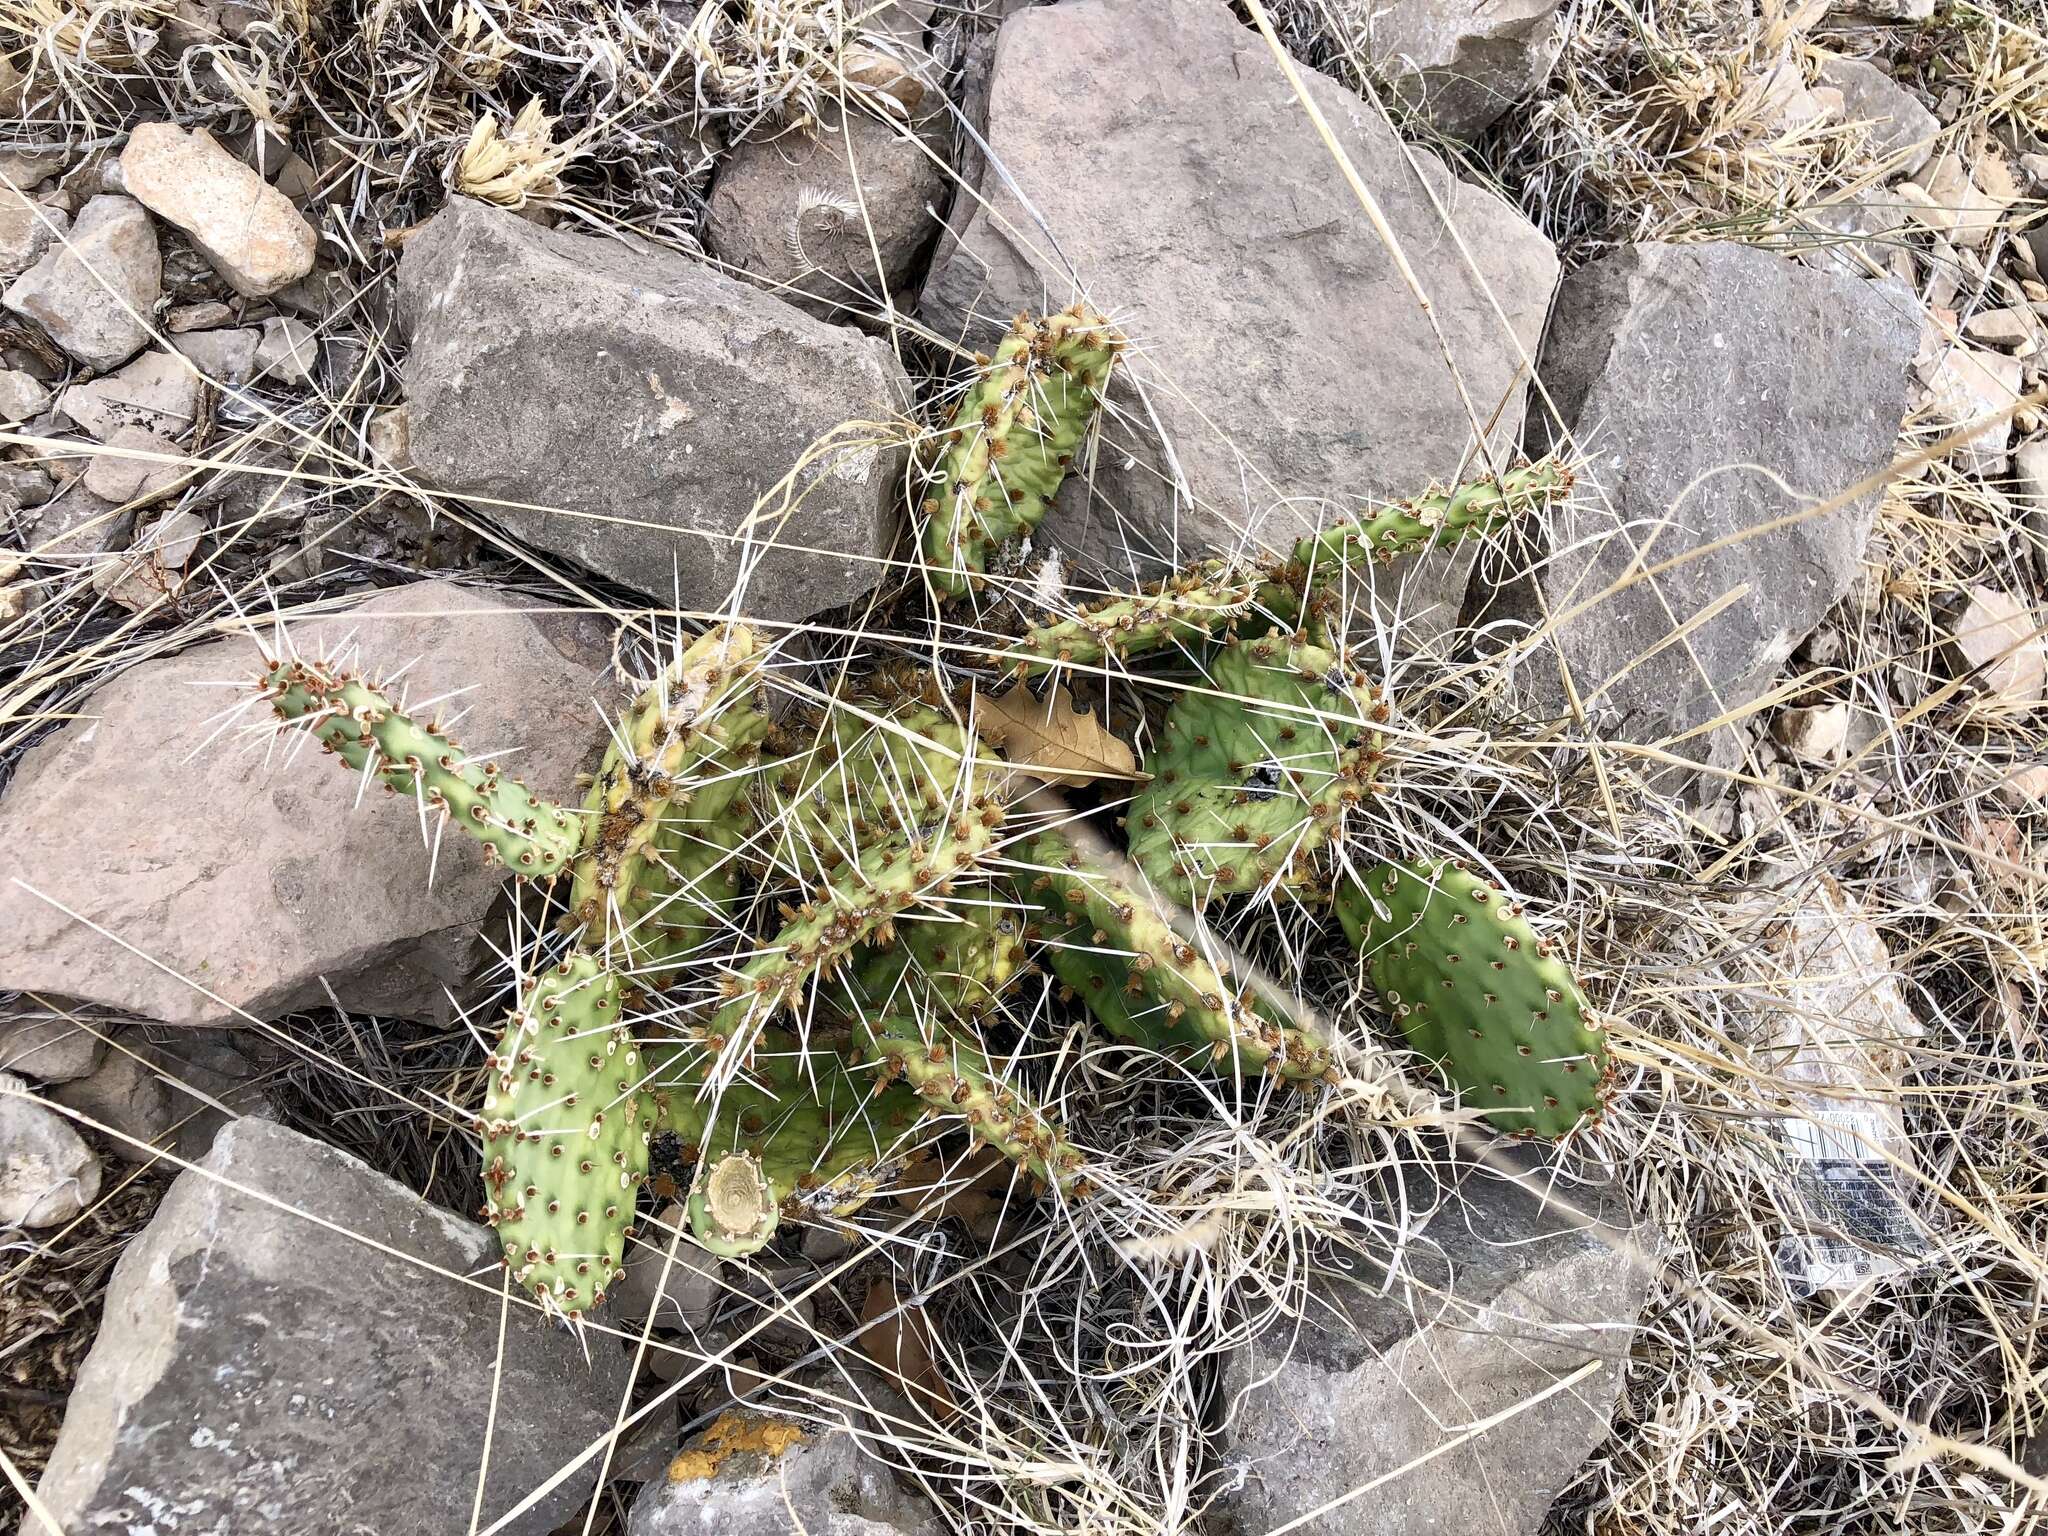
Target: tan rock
249, 230
1999, 639
122, 475
93, 293
1814, 735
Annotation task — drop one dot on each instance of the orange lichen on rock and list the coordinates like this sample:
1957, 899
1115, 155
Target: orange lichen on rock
733, 1434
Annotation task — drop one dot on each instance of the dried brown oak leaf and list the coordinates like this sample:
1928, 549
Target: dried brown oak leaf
1052, 741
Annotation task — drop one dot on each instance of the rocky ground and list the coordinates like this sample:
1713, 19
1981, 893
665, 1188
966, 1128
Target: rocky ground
493, 338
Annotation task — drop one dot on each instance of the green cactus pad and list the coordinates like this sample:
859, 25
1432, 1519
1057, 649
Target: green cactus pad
1187, 609
691, 879
859, 900
1011, 438
696, 716
1252, 774
1475, 990
963, 960
565, 1130
356, 721
1429, 521
1107, 941
953, 1076
868, 772
799, 1134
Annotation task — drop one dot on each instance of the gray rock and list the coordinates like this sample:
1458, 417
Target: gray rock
227, 357
255, 881
114, 476
158, 392
1514, 1298
93, 293
626, 408
74, 527
131, 1098
796, 214
1462, 63
21, 395
26, 484
289, 350
1670, 364
26, 230
1289, 365
692, 1288
47, 1172
1895, 121
229, 1391
48, 1046
834, 1488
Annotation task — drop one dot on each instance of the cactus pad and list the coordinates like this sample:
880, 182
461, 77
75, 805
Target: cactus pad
565, 1132
695, 715
1011, 438
1252, 775
799, 1134
1107, 941
1436, 518
1475, 990
355, 720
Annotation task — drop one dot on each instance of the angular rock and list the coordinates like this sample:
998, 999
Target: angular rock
226, 357
1289, 365
255, 881
129, 1097
626, 408
158, 392
93, 293
48, 1047
113, 476
27, 229
207, 315
1998, 639
748, 1472
796, 214
1513, 1298
289, 350
692, 1289
1669, 364
1463, 63
231, 1385
175, 1092
246, 228
21, 395
1964, 385
1897, 128
74, 527
47, 1172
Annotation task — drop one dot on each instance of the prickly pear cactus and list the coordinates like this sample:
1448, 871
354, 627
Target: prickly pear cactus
1436, 518
1212, 597
1011, 439
698, 713
954, 1076
1254, 771
371, 735
801, 1134
1478, 992
565, 1129
1143, 981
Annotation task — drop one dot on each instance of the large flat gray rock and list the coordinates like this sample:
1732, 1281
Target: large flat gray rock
289, 1347
626, 408
213, 872
1714, 389
1185, 192
1505, 1299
